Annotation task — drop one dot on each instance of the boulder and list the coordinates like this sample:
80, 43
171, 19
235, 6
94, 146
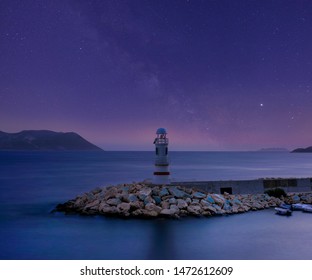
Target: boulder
219, 199
210, 199
92, 205
100, 195
217, 207
137, 213
113, 201
153, 207
195, 201
96, 191
123, 207
168, 212
149, 214
142, 196
244, 207
188, 200
256, 206
133, 189
132, 198
235, 209
183, 212
145, 191
79, 203
205, 204
236, 201
110, 193
136, 205
194, 210
165, 204
123, 197
199, 195
155, 191
125, 189
67, 207
175, 208
172, 200
304, 198
148, 199
296, 199
163, 192
157, 199
109, 210
227, 207
211, 209
166, 197
178, 193
102, 205
181, 203
90, 196
206, 213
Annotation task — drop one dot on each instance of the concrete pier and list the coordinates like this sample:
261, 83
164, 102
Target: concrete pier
256, 186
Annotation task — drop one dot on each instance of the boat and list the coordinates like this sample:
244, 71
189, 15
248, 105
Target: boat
298, 206
286, 206
283, 211
307, 208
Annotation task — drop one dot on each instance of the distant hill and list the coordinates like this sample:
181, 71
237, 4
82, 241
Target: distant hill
303, 150
45, 140
273, 150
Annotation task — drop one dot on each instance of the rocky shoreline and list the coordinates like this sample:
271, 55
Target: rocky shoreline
143, 200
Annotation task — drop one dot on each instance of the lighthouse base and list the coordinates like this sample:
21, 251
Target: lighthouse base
161, 179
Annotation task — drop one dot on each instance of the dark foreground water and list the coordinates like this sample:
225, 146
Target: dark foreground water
31, 184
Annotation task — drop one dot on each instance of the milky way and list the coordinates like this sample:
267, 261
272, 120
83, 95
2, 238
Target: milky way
219, 75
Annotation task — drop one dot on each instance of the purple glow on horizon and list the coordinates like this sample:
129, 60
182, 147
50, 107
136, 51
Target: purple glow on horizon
219, 75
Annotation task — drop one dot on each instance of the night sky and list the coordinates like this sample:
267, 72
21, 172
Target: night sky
219, 75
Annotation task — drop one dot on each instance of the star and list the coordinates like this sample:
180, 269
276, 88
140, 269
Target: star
147, 62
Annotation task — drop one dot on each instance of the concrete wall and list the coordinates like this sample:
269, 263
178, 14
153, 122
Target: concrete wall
303, 185
251, 186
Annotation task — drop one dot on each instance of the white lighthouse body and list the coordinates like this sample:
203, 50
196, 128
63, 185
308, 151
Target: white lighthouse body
161, 173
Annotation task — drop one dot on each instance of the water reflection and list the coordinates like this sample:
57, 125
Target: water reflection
162, 241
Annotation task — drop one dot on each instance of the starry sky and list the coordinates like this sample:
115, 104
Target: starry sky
217, 74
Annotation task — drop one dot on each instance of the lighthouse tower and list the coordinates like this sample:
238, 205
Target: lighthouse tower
161, 174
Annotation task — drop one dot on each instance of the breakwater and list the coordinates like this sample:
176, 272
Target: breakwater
143, 200
256, 186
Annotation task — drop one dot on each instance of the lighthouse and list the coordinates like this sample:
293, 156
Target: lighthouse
161, 174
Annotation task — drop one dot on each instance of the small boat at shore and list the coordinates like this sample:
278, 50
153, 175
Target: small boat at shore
286, 206
298, 206
307, 208
283, 211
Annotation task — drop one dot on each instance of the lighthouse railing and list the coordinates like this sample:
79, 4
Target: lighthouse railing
162, 141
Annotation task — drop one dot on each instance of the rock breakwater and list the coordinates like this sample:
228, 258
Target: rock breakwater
143, 200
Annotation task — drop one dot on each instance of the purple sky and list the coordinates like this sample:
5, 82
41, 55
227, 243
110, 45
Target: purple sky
219, 75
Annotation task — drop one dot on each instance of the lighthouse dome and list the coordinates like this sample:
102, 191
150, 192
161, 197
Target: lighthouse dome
161, 131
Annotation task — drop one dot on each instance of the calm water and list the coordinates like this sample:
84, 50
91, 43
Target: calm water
31, 184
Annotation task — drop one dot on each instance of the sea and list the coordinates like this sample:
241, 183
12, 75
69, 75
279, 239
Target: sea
33, 183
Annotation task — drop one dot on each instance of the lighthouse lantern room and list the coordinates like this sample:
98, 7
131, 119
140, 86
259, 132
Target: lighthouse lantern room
161, 174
